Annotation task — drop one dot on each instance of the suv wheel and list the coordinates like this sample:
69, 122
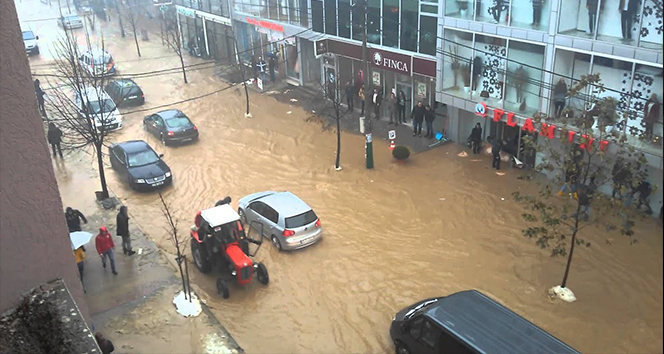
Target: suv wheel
402, 349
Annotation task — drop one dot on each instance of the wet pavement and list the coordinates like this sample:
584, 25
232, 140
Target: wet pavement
393, 235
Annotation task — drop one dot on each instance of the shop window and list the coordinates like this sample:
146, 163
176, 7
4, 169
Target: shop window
457, 63
580, 17
391, 23
317, 15
495, 11
460, 9
619, 25
524, 77
428, 31
431, 9
409, 16
357, 24
650, 33
304, 13
373, 22
531, 14
331, 17
570, 67
273, 9
488, 72
344, 18
645, 130
293, 12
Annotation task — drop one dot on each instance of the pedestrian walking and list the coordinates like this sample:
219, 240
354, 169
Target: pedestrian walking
40, 97
644, 189
476, 138
429, 117
272, 66
621, 174
262, 67
79, 254
417, 116
495, 151
586, 193
360, 94
73, 218
123, 230
392, 108
349, 95
105, 246
401, 104
377, 100
105, 345
54, 135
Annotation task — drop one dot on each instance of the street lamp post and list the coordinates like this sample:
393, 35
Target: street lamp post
368, 145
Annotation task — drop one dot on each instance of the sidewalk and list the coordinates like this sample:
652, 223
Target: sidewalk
134, 309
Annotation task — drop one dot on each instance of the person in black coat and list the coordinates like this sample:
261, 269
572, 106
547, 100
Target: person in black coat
377, 100
627, 10
40, 97
73, 218
417, 115
349, 95
476, 138
55, 138
123, 230
105, 345
495, 151
429, 117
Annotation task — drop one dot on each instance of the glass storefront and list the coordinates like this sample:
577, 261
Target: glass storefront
524, 77
490, 76
295, 12
457, 63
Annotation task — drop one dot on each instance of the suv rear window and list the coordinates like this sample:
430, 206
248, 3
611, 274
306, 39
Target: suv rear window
301, 220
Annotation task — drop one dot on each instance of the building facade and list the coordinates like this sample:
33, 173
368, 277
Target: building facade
454, 54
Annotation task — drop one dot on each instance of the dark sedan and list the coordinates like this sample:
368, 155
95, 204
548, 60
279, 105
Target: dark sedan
139, 165
171, 126
125, 92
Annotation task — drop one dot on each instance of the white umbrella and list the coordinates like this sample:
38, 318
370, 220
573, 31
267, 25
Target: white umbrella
79, 238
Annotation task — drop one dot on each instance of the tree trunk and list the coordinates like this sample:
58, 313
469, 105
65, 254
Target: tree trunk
569, 258
102, 175
138, 50
337, 164
184, 73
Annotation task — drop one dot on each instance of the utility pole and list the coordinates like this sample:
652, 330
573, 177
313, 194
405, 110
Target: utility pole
117, 7
368, 145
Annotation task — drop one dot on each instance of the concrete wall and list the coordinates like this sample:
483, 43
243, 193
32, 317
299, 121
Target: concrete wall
34, 242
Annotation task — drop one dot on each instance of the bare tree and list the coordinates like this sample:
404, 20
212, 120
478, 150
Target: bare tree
240, 69
76, 100
178, 242
331, 109
174, 39
585, 154
131, 14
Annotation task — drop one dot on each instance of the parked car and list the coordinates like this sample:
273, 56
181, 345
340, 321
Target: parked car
30, 42
171, 126
125, 92
468, 322
97, 62
97, 104
287, 221
139, 165
70, 21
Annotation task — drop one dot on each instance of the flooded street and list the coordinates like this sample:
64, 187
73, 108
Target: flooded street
392, 235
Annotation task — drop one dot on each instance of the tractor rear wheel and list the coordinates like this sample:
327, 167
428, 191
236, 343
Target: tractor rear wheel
200, 257
262, 275
222, 288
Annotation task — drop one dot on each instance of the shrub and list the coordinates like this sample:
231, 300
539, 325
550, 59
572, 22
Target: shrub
401, 152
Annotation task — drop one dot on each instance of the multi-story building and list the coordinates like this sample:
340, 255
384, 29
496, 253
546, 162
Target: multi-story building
506, 54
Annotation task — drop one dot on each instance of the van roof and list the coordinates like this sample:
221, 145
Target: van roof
490, 327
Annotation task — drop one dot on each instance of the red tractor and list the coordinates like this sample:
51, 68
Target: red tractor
218, 240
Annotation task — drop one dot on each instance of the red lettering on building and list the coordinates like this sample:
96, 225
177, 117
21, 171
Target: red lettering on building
570, 136
498, 114
586, 142
602, 145
510, 119
548, 130
265, 24
528, 125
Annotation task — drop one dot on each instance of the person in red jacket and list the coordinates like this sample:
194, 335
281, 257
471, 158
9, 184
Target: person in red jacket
105, 246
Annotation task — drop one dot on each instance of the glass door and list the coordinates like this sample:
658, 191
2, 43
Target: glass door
408, 93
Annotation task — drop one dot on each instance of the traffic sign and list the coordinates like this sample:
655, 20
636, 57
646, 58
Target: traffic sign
392, 134
163, 8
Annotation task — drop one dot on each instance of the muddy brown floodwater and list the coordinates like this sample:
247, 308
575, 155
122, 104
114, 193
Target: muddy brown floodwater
392, 235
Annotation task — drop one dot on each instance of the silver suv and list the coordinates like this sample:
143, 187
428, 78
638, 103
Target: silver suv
287, 221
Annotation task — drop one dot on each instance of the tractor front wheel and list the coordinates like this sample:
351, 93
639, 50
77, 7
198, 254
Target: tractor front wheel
262, 275
222, 288
200, 257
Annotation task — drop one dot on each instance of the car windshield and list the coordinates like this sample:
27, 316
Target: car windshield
301, 220
97, 106
71, 18
142, 158
103, 59
177, 122
28, 35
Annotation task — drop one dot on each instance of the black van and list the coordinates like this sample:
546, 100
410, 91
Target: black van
468, 322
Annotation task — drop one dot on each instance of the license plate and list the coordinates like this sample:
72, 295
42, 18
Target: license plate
306, 240
188, 139
157, 183
131, 97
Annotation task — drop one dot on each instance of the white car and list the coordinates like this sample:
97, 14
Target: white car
98, 105
70, 21
97, 62
30, 42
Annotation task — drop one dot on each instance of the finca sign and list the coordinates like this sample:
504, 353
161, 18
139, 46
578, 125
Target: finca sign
393, 61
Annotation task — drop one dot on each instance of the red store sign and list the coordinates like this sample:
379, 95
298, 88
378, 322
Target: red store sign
265, 24
399, 63
548, 130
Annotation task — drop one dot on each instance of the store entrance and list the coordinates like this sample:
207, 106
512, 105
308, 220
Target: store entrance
408, 93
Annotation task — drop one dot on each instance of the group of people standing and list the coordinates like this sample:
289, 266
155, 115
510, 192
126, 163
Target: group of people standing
262, 67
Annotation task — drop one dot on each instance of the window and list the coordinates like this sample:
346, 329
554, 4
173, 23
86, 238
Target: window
317, 15
331, 17
650, 34
145, 157
409, 15
460, 9
428, 31
301, 220
391, 23
119, 154
524, 77
373, 21
571, 66
107, 105
451, 345
489, 64
495, 11
344, 18
531, 14
457, 62
357, 23
271, 214
28, 35
258, 207
178, 122
430, 334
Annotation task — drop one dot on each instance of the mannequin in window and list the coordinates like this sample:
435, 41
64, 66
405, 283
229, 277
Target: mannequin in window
477, 71
559, 94
496, 10
537, 12
520, 78
593, 6
651, 114
627, 10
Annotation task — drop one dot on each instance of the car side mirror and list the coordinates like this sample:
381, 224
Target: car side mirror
161, 155
37, 37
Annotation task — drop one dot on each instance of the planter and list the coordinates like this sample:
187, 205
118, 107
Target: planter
401, 153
